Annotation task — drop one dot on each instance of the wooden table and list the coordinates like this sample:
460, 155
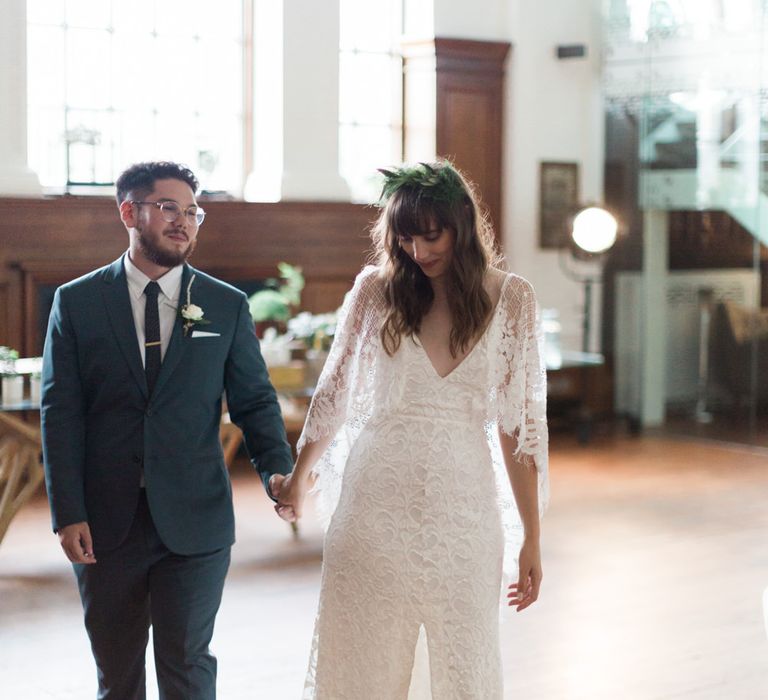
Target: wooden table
573, 384
21, 465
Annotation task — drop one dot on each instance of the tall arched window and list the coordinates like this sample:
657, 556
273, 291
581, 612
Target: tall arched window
114, 82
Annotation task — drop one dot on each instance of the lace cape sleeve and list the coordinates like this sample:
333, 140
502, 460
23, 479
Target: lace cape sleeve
518, 402
343, 398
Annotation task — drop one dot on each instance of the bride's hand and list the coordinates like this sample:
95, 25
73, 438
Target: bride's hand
526, 590
290, 499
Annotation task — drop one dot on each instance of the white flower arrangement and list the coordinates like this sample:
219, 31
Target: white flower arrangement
316, 330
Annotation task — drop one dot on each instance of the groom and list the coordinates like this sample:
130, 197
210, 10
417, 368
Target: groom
137, 357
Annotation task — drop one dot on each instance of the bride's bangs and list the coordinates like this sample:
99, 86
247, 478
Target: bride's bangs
410, 214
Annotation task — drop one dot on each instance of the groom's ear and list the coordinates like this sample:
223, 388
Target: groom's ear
128, 213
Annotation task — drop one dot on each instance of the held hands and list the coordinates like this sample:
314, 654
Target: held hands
77, 544
526, 590
290, 492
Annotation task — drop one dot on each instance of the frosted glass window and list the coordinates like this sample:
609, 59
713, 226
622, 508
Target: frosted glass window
45, 12
683, 18
418, 18
87, 70
362, 151
370, 25
46, 48
370, 92
177, 17
95, 14
112, 83
135, 16
367, 88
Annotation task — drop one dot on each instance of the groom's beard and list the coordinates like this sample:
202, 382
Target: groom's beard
163, 258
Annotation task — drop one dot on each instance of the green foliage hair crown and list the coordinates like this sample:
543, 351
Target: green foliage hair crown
441, 184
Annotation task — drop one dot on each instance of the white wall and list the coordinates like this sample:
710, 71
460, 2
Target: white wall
484, 20
553, 111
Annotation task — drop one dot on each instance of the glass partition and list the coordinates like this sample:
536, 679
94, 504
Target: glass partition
686, 140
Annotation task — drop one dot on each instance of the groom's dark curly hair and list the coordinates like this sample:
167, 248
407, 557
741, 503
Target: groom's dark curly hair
139, 179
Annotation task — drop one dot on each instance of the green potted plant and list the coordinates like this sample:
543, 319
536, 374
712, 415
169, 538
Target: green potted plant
272, 307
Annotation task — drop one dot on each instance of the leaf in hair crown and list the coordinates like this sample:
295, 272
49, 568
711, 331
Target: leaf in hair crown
441, 183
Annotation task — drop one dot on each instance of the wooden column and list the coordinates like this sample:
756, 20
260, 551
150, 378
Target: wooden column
464, 80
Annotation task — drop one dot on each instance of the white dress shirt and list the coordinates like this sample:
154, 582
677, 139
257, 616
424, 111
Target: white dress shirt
167, 301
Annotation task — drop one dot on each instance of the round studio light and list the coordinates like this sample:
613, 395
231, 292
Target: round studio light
594, 230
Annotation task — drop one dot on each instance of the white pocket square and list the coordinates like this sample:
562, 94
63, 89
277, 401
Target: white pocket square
204, 334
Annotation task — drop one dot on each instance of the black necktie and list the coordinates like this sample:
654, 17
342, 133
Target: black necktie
151, 335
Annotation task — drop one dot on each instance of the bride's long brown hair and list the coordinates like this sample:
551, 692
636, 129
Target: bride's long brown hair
417, 200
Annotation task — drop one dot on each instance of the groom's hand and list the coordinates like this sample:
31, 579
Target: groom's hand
77, 544
275, 483
290, 502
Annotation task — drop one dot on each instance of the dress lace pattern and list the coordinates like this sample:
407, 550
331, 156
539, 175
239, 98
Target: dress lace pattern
422, 530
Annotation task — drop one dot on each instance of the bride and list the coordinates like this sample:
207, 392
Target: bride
427, 437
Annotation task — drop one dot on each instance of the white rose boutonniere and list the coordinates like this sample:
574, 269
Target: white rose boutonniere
192, 313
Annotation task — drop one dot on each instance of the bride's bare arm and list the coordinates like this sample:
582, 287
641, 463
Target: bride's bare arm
293, 489
523, 478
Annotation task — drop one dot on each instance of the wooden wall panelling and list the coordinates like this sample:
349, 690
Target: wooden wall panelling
51, 241
470, 95
468, 79
4, 321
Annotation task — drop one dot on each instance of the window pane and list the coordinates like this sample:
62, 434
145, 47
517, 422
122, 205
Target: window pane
136, 138
365, 88
372, 25
135, 69
91, 145
45, 12
363, 150
88, 13
127, 92
175, 78
219, 159
418, 18
137, 16
176, 17
45, 66
220, 78
223, 19
45, 131
88, 68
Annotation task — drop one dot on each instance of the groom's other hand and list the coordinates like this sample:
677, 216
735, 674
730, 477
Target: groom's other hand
77, 544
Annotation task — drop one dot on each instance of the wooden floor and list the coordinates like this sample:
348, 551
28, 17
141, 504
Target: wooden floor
656, 558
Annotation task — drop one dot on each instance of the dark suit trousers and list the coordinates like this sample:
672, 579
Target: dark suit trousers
142, 583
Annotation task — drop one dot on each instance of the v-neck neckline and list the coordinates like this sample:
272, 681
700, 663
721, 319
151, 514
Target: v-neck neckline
466, 357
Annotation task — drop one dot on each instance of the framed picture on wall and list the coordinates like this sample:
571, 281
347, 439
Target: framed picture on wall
558, 200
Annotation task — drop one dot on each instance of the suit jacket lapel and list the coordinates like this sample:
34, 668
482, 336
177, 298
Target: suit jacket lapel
118, 303
178, 343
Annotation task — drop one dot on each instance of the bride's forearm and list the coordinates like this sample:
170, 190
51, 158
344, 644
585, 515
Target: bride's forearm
524, 480
309, 455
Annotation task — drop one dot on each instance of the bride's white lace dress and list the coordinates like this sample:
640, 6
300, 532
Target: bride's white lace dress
420, 507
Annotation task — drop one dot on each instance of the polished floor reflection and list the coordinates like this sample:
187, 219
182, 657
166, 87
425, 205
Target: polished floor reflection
655, 564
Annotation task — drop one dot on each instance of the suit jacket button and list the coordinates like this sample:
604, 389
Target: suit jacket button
137, 458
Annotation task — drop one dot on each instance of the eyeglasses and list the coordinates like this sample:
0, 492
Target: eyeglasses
171, 211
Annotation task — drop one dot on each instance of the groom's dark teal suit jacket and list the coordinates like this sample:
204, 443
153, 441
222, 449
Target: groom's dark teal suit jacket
101, 427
